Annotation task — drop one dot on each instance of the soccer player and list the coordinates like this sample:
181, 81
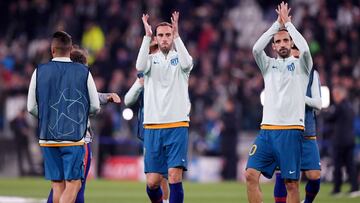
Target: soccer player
286, 77
166, 108
80, 56
310, 157
61, 95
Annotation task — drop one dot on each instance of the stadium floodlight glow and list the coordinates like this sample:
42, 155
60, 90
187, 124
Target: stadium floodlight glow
127, 114
325, 96
262, 97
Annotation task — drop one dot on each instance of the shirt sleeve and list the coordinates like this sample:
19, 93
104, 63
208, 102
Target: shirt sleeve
32, 106
185, 60
142, 61
315, 99
262, 60
93, 95
300, 42
133, 94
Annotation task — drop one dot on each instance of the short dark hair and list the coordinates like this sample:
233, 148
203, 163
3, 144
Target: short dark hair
162, 24
295, 47
61, 42
79, 56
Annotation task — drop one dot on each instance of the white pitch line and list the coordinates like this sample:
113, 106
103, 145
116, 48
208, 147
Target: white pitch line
4, 199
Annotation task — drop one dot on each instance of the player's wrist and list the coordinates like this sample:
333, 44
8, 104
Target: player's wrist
277, 25
147, 38
287, 24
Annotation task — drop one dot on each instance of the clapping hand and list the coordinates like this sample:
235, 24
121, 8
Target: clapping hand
175, 23
147, 27
283, 12
113, 97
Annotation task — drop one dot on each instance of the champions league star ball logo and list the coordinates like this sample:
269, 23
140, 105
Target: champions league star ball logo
70, 110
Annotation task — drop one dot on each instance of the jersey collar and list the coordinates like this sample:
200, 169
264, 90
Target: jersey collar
62, 59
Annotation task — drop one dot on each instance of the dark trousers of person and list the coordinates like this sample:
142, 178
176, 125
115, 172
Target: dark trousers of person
344, 155
229, 171
24, 154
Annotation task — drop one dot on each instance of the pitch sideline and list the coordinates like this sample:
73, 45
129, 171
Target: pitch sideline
8, 199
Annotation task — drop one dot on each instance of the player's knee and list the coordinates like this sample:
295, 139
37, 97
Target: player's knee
152, 184
313, 175
175, 175
251, 176
292, 186
175, 178
153, 180
73, 185
58, 186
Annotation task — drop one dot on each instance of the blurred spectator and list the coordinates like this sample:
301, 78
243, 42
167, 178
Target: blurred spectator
219, 35
346, 15
22, 132
229, 132
211, 128
105, 130
93, 39
343, 139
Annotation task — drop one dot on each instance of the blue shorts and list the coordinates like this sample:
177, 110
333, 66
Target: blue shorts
274, 148
64, 163
164, 149
310, 157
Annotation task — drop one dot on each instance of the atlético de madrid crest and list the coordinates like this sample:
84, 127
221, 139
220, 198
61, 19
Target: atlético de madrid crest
291, 67
174, 61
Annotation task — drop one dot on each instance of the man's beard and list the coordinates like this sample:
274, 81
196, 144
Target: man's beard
284, 53
165, 50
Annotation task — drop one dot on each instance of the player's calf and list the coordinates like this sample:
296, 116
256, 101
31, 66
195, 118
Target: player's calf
175, 184
71, 189
253, 187
293, 194
280, 193
312, 187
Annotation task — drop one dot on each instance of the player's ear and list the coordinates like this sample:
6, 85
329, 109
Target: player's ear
273, 46
52, 49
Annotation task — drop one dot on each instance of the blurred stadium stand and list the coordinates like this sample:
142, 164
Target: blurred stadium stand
218, 34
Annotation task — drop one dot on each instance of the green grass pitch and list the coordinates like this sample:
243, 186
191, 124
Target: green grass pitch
104, 191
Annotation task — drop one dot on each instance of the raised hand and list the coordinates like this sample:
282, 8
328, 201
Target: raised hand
141, 80
279, 18
175, 23
113, 97
147, 27
284, 12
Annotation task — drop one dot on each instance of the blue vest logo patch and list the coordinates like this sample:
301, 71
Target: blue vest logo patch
70, 109
174, 61
291, 67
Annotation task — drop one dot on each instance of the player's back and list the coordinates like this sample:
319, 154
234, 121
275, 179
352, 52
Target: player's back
63, 100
